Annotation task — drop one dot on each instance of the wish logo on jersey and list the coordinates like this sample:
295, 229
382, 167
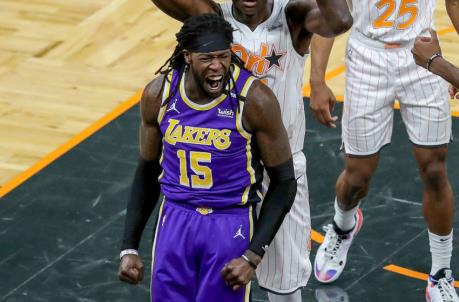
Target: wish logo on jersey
260, 63
225, 113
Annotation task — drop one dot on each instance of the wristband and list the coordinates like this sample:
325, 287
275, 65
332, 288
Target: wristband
128, 252
432, 58
253, 265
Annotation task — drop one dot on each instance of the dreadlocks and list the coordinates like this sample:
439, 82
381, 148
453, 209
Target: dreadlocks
192, 29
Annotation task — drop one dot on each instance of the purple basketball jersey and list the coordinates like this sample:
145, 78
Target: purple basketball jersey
208, 158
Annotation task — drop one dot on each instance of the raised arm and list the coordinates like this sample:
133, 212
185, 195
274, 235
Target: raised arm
452, 7
145, 187
322, 100
327, 18
262, 117
183, 9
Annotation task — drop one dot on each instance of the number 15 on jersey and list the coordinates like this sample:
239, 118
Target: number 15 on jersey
201, 177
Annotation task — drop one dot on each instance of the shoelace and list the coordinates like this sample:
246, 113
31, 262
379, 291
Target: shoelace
445, 289
335, 241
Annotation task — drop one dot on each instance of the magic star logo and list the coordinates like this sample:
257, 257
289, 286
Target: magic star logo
261, 62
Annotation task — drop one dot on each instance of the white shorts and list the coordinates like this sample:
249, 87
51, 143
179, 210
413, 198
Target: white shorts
375, 77
285, 266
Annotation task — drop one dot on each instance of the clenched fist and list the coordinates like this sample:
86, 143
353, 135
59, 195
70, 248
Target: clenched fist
131, 269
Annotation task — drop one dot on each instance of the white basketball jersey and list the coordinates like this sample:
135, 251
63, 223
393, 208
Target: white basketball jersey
393, 21
269, 53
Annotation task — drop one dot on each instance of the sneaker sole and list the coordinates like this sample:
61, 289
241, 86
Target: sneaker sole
334, 278
359, 221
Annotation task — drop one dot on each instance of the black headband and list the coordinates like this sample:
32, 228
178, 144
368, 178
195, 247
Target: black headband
209, 42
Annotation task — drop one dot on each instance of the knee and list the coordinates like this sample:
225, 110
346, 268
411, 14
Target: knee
434, 174
357, 184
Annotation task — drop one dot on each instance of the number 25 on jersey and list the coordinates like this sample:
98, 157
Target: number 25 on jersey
386, 10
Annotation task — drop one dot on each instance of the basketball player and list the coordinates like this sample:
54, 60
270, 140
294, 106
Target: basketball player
272, 38
427, 53
206, 126
379, 69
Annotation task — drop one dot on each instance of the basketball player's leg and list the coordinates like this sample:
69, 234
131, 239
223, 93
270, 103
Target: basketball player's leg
227, 237
286, 267
426, 113
366, 123
352, 186
438, 205
353, 183
438, 208
366, 128
173, 270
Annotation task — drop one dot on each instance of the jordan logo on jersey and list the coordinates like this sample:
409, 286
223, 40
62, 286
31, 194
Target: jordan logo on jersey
173, 107
239, 233
261, 62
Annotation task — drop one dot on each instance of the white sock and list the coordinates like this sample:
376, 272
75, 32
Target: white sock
441, 248
293, 297
345, 220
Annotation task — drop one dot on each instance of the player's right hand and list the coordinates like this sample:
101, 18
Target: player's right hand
322, 102
131, 269
453, 92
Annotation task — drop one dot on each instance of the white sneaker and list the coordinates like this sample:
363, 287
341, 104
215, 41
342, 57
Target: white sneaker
440, 287
332, 254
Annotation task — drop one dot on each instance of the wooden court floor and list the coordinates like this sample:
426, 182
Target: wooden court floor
67, 69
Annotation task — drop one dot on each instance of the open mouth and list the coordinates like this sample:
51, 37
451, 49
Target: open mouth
214, 82
249, 3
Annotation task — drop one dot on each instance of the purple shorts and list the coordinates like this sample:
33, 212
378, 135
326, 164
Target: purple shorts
191, 247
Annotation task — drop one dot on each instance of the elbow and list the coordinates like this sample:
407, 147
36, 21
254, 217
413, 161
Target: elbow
342, 24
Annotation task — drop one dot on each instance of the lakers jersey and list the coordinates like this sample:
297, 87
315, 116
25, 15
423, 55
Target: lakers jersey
393, 21
269, 53
208, 158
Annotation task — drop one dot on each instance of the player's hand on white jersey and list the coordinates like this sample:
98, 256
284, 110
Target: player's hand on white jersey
322, 102
239, 272
453, 92
424, 48
131, 269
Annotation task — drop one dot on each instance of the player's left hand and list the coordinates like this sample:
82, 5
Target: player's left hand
424, 48
237, 273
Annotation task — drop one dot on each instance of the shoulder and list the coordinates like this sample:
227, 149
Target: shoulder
260, 105
259, 94
150, 102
